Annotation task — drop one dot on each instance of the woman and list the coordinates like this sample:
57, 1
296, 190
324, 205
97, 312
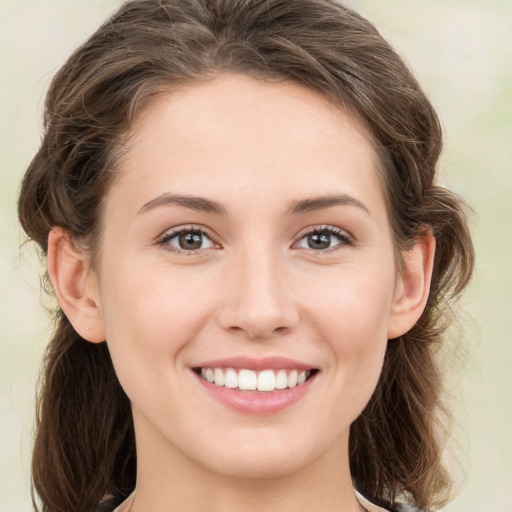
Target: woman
252, 260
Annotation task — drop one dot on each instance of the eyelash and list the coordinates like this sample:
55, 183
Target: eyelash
344, 239
168, 236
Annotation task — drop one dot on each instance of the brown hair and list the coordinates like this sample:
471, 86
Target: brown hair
84, 448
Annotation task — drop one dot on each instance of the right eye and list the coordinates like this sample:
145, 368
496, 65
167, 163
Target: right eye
187, 240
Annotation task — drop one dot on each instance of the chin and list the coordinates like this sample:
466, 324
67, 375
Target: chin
259, 469
259, 461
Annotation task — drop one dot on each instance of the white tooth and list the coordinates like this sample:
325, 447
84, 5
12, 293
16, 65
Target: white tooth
300, 379
247, 380
292, 379
266, 381
231, 378
281, 380
203, 373
209, 375
219, 377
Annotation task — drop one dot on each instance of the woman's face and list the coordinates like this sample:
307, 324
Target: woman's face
246, 240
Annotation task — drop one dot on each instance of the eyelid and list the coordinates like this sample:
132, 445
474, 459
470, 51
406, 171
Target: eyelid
168, 234
346, 238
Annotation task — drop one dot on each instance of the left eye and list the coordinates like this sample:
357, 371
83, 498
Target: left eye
189, 240
322, 239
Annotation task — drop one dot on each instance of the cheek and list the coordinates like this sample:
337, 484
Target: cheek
350, 317
352, 304
149, 316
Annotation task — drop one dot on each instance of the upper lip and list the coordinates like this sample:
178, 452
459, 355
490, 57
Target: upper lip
256, 364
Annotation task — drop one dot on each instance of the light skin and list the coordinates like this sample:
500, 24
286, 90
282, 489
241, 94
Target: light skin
294, 258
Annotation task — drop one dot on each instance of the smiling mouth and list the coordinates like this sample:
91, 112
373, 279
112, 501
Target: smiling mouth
249, 380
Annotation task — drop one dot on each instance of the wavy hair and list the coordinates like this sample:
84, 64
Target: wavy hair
84, 447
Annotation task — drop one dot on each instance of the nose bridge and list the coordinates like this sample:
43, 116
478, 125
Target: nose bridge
257, 299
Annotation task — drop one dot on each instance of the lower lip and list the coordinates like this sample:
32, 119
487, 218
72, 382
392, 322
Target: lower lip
254, 402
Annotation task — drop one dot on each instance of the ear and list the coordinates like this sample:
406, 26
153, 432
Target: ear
75, 285
413, 286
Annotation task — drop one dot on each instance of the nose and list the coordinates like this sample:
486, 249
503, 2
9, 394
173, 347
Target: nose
258, 297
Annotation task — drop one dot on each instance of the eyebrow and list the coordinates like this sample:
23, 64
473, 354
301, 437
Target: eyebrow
199, 204
202, 204
321, 202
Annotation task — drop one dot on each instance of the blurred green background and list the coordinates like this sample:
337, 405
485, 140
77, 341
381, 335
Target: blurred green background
461, 51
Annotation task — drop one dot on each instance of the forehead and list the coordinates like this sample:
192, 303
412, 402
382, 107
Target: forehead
252, 135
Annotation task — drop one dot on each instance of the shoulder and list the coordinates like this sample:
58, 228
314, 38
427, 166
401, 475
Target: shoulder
109, 505
375, 505
402, 507
106, 506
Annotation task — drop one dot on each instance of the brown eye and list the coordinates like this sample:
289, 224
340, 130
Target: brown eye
188, 240
324, 239
319, 241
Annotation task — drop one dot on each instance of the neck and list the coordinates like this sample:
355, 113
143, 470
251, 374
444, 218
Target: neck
166, 478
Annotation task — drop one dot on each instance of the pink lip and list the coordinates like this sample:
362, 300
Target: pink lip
254, 402
255, 364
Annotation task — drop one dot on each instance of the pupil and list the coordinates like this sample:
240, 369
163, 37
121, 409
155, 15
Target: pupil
319, 241
190, 240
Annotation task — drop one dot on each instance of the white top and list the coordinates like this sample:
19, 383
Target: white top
369, 506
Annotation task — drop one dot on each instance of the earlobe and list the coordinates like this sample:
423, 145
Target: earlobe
75, 285
413, 286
